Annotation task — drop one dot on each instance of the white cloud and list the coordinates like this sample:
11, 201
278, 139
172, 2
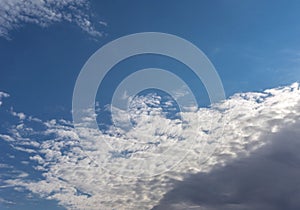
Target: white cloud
15, 13
83, 175
4, 201
3, 95
20, 115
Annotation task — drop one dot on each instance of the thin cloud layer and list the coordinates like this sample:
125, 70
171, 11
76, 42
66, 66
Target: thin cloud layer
15, 13
83, 177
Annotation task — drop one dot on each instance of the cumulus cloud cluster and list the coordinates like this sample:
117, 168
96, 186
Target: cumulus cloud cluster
141, 165
15, 13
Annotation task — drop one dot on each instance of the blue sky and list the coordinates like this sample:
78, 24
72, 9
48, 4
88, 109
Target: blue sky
253, 44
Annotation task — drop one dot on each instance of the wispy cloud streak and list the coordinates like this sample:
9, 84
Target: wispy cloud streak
15, 13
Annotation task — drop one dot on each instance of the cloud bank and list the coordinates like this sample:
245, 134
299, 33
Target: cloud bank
15, 13
266, 180
90, 178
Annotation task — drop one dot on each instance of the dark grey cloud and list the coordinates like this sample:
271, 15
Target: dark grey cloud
268, 179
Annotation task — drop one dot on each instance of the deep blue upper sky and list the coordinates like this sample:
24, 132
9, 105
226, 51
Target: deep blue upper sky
253, 45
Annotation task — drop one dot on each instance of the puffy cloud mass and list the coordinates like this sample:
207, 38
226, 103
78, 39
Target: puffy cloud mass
15, 13
266, 180
160, 155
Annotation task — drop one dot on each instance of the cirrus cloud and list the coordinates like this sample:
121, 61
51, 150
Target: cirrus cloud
15, 13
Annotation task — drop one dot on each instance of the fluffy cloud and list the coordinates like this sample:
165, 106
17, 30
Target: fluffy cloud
89, 175
14, 13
